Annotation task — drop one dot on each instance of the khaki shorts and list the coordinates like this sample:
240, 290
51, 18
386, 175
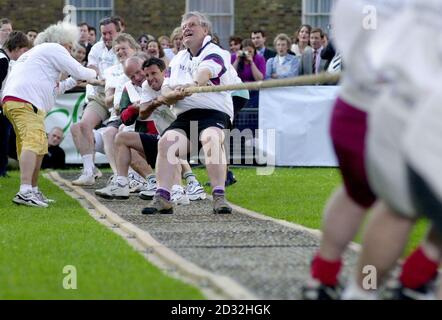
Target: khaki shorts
29, 127
97, 105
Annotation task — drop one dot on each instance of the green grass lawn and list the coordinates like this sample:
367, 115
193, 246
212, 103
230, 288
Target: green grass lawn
297, 195
36, 244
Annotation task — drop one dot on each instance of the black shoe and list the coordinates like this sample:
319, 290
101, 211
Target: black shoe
315, 290
398, 292
230, 180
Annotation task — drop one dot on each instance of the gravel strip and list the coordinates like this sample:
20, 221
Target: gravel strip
269, 259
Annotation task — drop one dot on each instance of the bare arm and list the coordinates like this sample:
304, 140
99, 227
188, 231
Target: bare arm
257, 75
109, 98
146, 109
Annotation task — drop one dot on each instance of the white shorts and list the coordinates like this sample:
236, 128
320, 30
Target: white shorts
386, 167
98, 137
422, 143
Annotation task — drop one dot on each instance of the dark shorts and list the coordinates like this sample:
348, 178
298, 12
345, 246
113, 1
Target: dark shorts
201, 119
424, 199
238, 104
150, 146
348, 130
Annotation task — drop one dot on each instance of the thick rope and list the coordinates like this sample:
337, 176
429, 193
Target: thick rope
322, 78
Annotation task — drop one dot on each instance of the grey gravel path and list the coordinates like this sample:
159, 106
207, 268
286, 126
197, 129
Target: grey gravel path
269, 259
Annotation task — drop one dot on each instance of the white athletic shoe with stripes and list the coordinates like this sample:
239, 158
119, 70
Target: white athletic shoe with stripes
195, 191
178, 196
29, 199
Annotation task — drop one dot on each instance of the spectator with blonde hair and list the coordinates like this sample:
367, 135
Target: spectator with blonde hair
177, 40
26, 100
164, 41
283, 65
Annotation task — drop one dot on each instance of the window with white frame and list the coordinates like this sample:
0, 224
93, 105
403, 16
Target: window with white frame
91, 11
317, 13
220, 13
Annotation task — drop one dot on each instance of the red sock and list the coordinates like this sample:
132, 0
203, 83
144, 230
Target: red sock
418, 270
325, 271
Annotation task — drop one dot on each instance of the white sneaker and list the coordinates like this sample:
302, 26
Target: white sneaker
42, 198
86, 179
136, 182
179, 196
353, 292
29, 199
195, 192
149, 189
114, 191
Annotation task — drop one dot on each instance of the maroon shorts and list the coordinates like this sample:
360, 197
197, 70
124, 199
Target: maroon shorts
348, 130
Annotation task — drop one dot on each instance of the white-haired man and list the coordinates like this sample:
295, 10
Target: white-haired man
26, 100
101, 57
203, 63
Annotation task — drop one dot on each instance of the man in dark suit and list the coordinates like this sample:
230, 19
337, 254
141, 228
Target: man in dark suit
311, 61
259, 38
84, 38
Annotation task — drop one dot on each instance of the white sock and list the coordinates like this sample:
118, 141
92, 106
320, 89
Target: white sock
88, 163
24, 188
122, 180
190, 177
35, 189
354, 292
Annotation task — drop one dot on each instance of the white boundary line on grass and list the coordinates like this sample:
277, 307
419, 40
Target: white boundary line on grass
212, 285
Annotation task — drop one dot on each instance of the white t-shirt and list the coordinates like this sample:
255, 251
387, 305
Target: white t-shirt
163, 115
421, 144
102, 58
360, 83
403, 96
183, 69
35, 76
115, 79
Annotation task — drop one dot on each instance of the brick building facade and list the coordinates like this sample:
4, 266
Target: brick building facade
159, 17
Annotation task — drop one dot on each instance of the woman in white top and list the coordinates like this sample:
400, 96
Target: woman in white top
302, 39
30, 93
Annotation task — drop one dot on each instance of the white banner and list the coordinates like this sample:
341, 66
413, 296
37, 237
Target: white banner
301, 118
67, 111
